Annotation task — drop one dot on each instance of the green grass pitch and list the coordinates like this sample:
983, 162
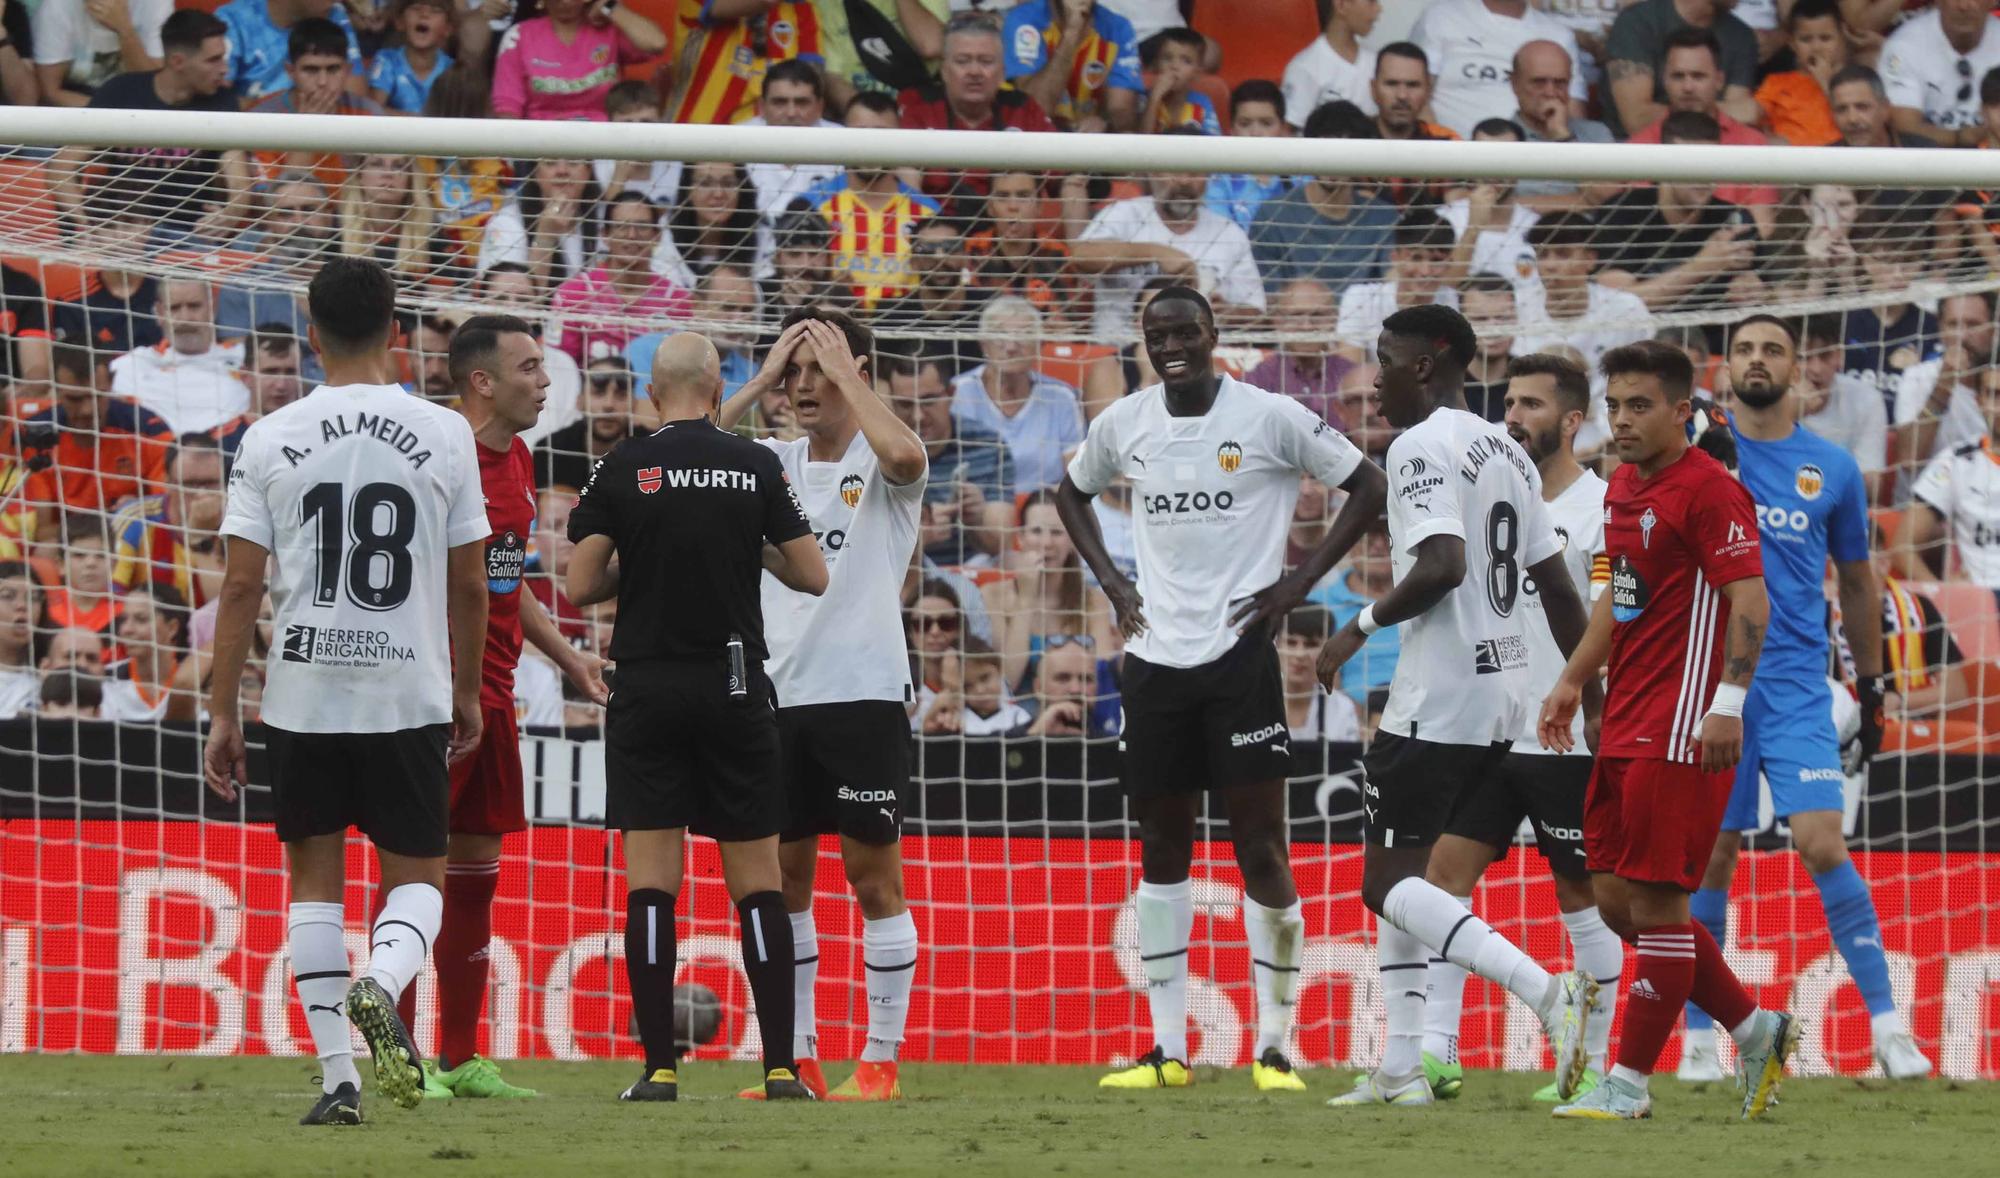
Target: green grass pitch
164, 1118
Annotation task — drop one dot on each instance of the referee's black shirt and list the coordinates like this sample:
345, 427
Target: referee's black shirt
689, 509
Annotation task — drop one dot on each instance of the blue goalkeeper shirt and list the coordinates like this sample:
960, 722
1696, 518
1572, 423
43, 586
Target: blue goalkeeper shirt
1811, 504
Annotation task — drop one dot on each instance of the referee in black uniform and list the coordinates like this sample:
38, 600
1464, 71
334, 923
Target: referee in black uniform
679, 525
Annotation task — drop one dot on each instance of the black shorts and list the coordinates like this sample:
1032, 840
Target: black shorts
1189, 729
845, 768
679, 751
1411, 787
1547, 789
395, 787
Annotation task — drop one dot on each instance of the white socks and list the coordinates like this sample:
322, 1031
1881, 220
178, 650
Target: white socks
403, 934
889, 958
1166, 919
319, 974
1444, 1003
1435, 917
805, 976
1401, 958
1277, 948
1599, 953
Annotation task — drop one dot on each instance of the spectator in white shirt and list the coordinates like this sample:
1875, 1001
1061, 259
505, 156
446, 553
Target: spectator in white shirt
1471, 45
1931, 67
794, 96
1565, 306
81, 44
658, 181
1958, 495
1491, 226
1169, 232
1837, 406
187, 378
1937, 404
1420, 271
21, 608
1332, 715
1336, 65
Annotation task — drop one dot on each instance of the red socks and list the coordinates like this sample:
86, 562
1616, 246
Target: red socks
1663, 976
1716, 988
462, 962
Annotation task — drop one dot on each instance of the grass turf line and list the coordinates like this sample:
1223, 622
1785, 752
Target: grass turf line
169, 1117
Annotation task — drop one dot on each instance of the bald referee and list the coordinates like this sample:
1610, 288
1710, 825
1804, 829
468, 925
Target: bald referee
679, 525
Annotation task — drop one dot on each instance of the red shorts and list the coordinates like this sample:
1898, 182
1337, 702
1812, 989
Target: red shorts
487, 796
1653, 821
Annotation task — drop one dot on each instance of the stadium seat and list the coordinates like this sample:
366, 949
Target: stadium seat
1970, 612
1257, 37
1067, 362
29, 213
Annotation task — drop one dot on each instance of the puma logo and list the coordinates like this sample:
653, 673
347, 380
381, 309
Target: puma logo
889, 814
333, 1010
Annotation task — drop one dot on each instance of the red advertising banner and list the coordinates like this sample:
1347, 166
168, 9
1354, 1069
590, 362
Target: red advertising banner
148, 936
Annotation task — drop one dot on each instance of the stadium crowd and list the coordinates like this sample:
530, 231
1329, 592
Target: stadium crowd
1006, 300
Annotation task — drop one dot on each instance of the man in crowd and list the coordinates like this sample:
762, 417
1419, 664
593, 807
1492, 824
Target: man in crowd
173, 539
1677, 246
1693, 81
1938, 401
1635, 60
1168, 232
1401, 91
1472, 45
259, 35
1305, 365
1861, 110
1931, 67
968, 97
794, 96
968, 502
1420, 255
1329, 227
567, 456
104, 449
188, 378
272, 362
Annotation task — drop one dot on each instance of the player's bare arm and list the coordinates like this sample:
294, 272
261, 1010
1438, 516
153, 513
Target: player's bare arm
1439, 568
580, 667
224, 766
1722, 730
1367, 491
1559, 709
798, 564
593, 572
465, 598
1861, 614
769, 377
1073, 506
897, 447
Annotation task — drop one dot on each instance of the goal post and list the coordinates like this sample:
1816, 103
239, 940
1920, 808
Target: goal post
155, 266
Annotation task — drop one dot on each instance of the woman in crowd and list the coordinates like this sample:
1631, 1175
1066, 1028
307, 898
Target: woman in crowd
714, 221
385, 214
562, 64
156, 681
621, 297
549, 226
1046, 602
934, 622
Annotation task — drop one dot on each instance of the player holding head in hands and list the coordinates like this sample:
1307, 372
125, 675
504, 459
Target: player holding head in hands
679, 525
1812, 503
841, 670
1467, 530
1548, 400
1215, 467
496, 371
367, 502
1680, 630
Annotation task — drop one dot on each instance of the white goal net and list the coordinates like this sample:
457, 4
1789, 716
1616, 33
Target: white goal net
153, 306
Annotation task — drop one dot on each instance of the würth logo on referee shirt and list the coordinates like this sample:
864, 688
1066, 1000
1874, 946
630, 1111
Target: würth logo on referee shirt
649, 479
850, 490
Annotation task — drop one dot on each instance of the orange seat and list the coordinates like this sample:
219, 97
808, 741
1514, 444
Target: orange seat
1067, 362
1974, 620
27, 207
1257, 37
1889, 522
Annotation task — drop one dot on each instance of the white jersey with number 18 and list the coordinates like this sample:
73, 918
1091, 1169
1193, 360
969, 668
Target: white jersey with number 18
359, 492
1462, 676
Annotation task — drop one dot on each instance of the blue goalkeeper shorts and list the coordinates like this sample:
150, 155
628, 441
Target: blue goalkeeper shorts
1789, 740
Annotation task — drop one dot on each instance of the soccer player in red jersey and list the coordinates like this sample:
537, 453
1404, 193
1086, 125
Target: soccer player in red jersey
1680, 630
496, 367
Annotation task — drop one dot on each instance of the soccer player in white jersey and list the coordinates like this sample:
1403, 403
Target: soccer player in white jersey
367, 501
1467, 531
1548, 401
842, 672
1215, 467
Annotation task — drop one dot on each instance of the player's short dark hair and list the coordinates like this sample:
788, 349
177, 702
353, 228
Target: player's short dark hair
1438, 326
631, 94
315, 36
1256, 90
1572, 382
1312, 622
352, 304
1565, 229
1339, 119
1848, 75
1422, 229
476, 343
1499, 126
860, 340
875, 100
1664, 362
1790, 329
186, 29
1407, 49
1690, 126
1179, 293
1813, 10
799, 72
1693, 37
